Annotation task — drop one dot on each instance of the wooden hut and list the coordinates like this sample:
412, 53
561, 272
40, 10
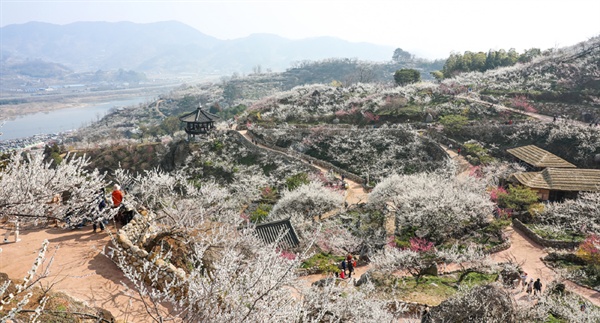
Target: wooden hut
199, 122
556, 184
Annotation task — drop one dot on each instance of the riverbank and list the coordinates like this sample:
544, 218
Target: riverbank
30, 104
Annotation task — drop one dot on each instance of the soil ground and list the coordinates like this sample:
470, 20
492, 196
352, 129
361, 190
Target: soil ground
78, 268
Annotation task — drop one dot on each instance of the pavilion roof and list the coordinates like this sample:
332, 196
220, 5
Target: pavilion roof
199, 116
562, 179
282, 229
539, 157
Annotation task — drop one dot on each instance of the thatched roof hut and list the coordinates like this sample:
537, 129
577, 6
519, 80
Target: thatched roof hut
556, 184
562, 179
539, 158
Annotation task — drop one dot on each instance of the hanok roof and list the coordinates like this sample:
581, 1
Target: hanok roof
539, 157
561, 179
199, 116
282, 229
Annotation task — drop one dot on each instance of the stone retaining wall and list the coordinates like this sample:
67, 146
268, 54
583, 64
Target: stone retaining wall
501, 247
556, 244
134, 234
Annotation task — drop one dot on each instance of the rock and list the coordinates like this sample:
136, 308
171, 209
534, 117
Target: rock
11, 287
488, 303
431, 270
324, 282
428, 118
106, 315
122, 238
142, 253
364, 278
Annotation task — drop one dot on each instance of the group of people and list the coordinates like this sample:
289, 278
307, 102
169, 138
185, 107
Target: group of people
117, 200
531, 286
117, 196
347, 267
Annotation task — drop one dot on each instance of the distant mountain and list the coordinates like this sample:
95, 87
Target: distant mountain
170, 47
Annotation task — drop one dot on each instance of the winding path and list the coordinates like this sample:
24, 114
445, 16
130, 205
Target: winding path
529, 255
78, 269
81, 271
354, 194
541, 117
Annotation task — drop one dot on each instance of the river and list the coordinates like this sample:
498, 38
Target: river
61, 120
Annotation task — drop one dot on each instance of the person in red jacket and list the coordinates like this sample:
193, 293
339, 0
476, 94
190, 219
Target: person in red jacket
117, 196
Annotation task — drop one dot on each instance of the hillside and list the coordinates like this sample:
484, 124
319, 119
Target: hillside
170, 47
261, 218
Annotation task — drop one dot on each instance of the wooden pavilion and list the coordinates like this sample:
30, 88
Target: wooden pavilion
199, 122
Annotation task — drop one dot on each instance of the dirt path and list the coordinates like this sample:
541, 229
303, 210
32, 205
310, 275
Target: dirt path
158, 110
463, 167
541, 117
527, 252
78, 269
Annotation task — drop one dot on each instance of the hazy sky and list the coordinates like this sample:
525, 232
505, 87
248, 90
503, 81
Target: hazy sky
429, 28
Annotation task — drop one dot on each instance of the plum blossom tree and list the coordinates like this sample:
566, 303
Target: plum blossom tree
417, 261
30, 184
436, 205
307, 201
580, 215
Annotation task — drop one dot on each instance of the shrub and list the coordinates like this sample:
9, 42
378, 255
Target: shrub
589, 250
261, 212
454, 123
517, 198
295, 181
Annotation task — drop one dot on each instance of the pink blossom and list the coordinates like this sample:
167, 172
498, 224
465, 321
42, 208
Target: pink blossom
420, 245
495, 192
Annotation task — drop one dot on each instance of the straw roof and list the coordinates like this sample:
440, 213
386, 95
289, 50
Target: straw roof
539, 157
561, 179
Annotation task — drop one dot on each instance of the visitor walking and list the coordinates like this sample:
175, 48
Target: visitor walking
524, 281
529, 288
537, 287
117, 196
101, 202
351, 264
344, 266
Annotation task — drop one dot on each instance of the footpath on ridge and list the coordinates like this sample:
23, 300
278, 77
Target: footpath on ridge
541, 117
